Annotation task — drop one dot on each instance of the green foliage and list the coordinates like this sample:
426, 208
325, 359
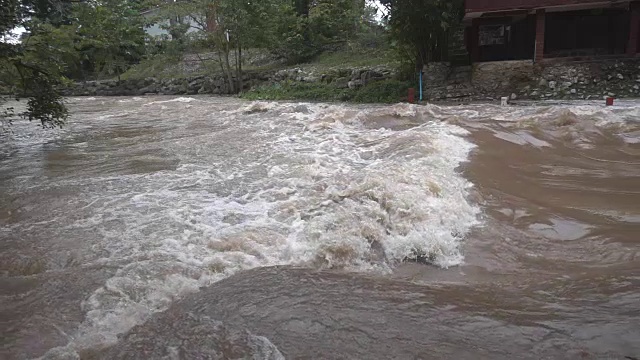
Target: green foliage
317, 26
298, 91
45, 104
388, 91
65, 39
31, 69
109, 35
353, 58
419, 28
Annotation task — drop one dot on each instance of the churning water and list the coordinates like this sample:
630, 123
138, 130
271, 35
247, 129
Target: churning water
150, 228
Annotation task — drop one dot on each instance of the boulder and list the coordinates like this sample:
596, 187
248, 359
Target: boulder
342, 83
151, 89
354, 84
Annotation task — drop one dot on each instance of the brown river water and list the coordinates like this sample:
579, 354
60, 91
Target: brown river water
212, 228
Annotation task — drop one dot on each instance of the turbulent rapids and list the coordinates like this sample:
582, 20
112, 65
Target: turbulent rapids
163, 227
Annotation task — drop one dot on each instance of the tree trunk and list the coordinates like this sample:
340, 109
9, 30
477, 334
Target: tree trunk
302, 7
239, 67
228, 70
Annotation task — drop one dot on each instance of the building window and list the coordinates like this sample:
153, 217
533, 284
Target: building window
492, 35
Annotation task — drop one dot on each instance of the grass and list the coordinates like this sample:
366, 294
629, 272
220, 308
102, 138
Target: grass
359, 58
168, 67
159, 66
387, 91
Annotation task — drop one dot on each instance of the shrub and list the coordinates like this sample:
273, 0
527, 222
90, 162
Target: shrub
387, 91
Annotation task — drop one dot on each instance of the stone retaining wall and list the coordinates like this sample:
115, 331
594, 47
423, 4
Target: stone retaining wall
526, 80
217, 84
484, 81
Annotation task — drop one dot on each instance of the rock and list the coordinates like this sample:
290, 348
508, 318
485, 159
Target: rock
514, 96
344, 73
552, 84
110, 83
354, 84
342, 83
302, 109
376, 74
611, 94
543, 83
620, 76
573, 91
636, 87
567, 84
153, 88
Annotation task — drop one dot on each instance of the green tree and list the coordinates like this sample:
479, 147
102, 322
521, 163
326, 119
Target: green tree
229, 26
64, 38
420, 28
109, 36
28, 69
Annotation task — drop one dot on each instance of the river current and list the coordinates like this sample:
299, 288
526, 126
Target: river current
215, 228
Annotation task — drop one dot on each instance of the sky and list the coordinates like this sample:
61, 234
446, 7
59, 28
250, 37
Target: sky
13, 37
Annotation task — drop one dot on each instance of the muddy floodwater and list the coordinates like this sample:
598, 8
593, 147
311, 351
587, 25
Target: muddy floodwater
212, 228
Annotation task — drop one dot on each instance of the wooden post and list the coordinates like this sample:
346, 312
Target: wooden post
540, 34
412, 95
634, 29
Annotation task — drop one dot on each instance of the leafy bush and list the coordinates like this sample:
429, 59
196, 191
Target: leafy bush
388, 91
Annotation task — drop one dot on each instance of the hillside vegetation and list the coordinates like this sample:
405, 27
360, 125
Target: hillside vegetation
78, 41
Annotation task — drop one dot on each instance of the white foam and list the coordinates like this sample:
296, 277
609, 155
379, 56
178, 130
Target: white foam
179, 100
320, 187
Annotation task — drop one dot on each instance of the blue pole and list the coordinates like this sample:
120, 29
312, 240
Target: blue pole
420, 85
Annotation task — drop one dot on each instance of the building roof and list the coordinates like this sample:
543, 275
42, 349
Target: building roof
476, 8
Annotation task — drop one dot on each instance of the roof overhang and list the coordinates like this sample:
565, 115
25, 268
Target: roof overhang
478, 8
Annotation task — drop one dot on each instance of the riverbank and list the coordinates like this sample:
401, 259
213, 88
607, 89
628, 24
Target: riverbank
363, 81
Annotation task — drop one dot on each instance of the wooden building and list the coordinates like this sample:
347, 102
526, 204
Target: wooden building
497, 30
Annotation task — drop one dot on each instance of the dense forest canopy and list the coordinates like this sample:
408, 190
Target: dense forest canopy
79, 40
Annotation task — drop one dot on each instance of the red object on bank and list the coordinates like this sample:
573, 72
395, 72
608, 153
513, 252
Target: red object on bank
609, 101
412, 95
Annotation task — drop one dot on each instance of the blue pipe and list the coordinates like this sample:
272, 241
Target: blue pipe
420, 85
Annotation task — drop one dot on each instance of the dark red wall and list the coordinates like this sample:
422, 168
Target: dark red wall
504, 5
